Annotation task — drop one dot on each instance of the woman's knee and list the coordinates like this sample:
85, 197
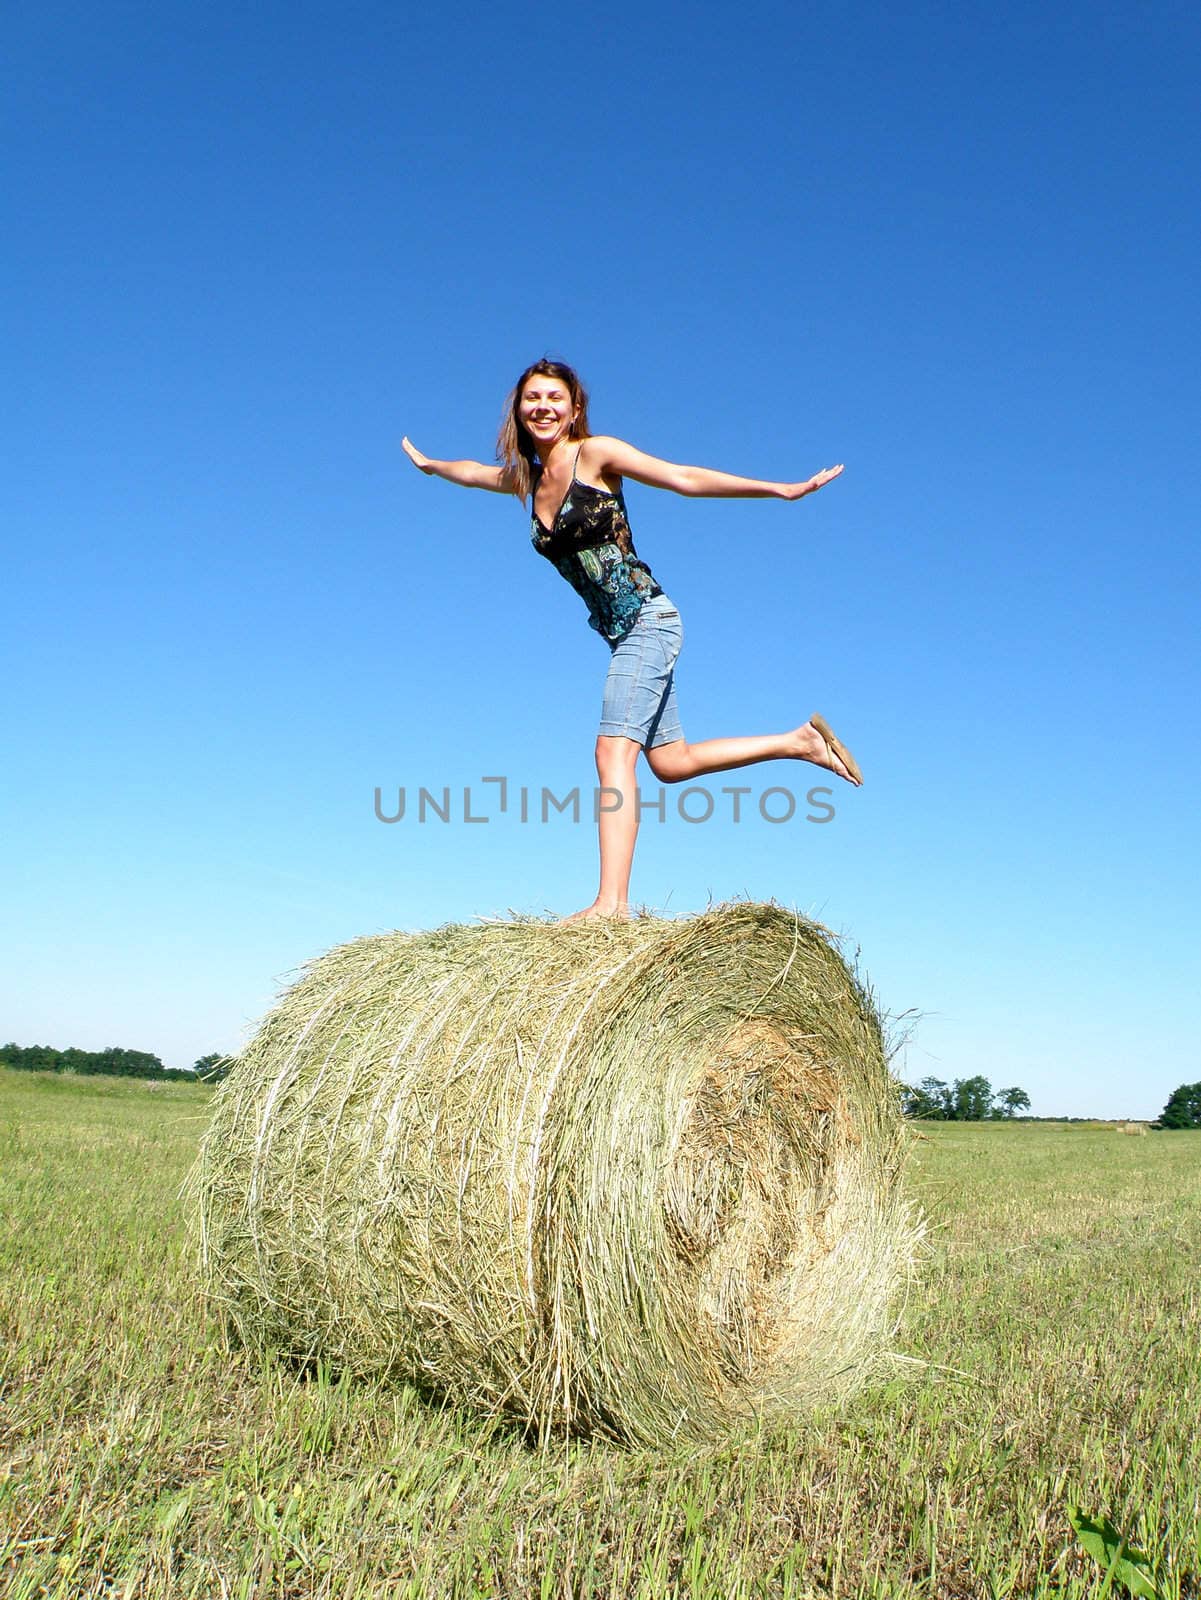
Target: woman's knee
615, 755
671, 762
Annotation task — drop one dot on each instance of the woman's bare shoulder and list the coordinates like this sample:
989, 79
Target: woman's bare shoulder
598, 458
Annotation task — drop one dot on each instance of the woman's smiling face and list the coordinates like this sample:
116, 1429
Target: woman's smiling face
546, 411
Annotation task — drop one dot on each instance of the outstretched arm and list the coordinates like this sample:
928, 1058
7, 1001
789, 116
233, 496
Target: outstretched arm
622, 460
470, 474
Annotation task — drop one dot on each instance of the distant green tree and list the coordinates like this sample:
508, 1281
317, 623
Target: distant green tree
1011, 1101
929, 1101
213, 1068
971, 1099
1183, 1109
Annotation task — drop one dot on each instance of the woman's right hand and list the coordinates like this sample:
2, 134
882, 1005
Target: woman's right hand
421, 462
467, 474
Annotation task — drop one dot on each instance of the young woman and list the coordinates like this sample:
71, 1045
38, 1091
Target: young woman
574, 477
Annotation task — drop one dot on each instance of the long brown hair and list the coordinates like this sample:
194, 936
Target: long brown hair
515, 449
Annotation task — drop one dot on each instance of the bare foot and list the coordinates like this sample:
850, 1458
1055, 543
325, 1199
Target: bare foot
821, 748
598, 909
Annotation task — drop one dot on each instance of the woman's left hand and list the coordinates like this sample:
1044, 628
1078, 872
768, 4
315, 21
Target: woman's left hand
819, 480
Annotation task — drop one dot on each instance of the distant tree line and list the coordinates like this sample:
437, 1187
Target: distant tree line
111, 1062
973, 1100
965, 1100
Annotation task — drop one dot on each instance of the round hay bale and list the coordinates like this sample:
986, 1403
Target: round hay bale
637, 1179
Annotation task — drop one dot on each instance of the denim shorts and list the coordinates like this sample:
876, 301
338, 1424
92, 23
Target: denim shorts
640, 693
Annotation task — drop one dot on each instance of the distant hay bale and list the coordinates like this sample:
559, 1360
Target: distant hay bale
636, 1179
1138, 1129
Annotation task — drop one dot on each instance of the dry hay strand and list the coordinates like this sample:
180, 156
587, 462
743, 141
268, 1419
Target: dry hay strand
632, 1179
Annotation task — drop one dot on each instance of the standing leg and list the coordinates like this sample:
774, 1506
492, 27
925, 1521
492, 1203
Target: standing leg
616, 759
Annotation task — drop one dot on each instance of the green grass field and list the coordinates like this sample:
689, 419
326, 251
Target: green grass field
1054, 1360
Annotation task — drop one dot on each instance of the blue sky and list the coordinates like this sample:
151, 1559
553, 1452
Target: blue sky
954, 248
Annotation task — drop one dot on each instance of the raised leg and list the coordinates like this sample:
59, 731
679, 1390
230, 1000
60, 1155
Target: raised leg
679, 760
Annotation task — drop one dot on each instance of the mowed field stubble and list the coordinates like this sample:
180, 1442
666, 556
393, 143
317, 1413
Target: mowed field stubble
1049, 1358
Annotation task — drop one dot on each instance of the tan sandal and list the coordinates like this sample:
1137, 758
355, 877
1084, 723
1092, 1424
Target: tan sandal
835, 746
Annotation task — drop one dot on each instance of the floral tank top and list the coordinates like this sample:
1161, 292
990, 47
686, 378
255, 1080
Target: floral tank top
590, 544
